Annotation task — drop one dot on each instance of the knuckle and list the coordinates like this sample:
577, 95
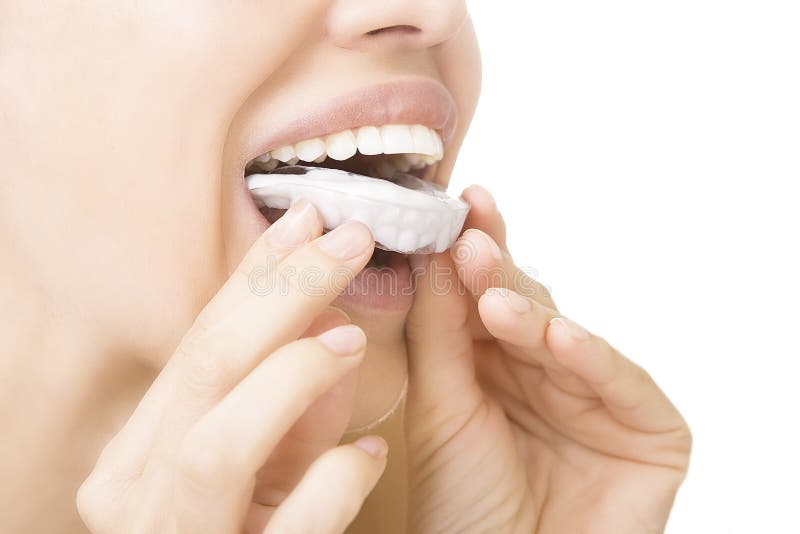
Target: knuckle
90, 503
645, 377
205, 373
680, 445
685, 437
259, 276
85, 499
640, 375
688, 438
615, 362
537, 328
199, 466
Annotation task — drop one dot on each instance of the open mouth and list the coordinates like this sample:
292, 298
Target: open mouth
375, 151
380, 153
370, 155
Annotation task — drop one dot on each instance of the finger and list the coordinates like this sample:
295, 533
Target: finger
227, 342
290, 296
222, 452
515, 319
627, 390
521, 324
333, 490
440, 347
481, 264
320, 427
129, 449
484, 215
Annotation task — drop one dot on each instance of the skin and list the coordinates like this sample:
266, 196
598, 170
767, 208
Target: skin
133, 355
567, 434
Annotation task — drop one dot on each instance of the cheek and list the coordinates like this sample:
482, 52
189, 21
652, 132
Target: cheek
218, 52
138, 101
459, 64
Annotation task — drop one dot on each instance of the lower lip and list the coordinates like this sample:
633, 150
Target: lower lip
387, 288
374, 289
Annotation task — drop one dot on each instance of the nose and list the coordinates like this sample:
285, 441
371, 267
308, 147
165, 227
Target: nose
394, 24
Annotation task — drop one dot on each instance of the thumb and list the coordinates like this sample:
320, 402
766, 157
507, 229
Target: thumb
441, 368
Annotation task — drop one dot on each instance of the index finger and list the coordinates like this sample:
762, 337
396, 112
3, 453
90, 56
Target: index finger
482, 254
269, 302
627, 390
281, 285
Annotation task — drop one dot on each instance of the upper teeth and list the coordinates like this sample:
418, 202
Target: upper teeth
419, 145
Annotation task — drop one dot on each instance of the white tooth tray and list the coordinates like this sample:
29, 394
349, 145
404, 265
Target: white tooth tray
406, 214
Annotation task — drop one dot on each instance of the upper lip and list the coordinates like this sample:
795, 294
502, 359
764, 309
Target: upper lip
416, 101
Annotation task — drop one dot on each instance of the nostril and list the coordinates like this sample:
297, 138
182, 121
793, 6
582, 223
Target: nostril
399, 29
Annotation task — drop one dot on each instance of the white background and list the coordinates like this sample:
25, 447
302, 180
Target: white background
646, 156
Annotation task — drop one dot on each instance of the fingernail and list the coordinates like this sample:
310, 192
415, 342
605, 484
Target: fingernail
375, 446
493, 248
573, 329
344, 340
346, 241
294, 227
515, 301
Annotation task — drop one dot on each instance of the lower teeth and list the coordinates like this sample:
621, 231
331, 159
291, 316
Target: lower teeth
406, 214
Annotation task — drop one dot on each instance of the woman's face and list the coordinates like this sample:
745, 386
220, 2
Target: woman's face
143, 114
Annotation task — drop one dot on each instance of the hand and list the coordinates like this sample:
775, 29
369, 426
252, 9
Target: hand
239, 431
519, 420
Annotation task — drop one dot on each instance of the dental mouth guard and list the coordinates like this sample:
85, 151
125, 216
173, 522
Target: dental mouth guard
405, 214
